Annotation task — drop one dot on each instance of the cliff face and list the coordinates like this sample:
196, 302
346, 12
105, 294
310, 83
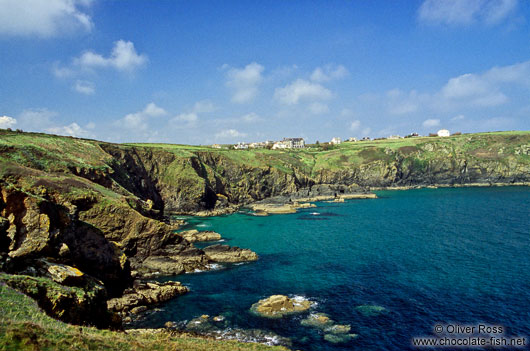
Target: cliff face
102, 207
191, 180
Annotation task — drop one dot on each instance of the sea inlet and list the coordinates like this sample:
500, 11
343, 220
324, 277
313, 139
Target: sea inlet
391, 268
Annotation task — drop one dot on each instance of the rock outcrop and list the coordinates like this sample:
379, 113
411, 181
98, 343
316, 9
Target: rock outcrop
194, 235
144, 295
84, 304
229, 254
277, 306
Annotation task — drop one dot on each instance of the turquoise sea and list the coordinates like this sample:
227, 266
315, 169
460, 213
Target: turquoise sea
427, 256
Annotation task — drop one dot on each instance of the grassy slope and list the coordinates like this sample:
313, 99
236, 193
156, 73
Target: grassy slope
23, 326
53, 153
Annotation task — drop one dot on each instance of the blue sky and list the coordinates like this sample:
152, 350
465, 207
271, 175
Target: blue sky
202, 72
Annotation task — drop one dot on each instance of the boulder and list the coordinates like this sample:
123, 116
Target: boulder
277, 306
229, 254
66, 275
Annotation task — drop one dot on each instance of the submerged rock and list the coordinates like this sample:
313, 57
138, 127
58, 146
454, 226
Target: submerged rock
277, 306
370, 310
317, 321
338, 329
339, 338
229, 254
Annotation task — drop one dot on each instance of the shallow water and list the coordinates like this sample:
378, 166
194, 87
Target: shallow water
426, 256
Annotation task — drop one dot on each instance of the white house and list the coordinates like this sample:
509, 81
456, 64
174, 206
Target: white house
336, 141
241, 146
443, 133
289, 143
352, 139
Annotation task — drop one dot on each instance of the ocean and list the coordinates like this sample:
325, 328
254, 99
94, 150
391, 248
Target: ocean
392, 268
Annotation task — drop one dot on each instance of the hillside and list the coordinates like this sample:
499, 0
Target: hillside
104, 209
24, 326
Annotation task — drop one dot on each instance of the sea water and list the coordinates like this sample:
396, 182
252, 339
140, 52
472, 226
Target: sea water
424, 257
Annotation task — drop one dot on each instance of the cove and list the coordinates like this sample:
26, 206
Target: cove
424, 256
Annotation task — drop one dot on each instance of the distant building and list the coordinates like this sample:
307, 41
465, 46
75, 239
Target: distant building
394, 137
351, 139
336, 141
289, 143
296, 143
217, 146
443, 133
412, 135
241, 146
365, 138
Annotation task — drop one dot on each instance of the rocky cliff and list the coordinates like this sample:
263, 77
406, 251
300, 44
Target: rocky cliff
103, 208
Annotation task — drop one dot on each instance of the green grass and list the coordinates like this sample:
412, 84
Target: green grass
24, 326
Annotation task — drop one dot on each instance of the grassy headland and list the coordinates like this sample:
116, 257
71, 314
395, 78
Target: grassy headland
103, 208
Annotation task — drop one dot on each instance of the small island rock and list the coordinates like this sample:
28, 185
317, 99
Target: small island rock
277, 306
195, 235
229, 254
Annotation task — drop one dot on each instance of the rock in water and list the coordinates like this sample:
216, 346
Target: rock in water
317, 321
277, 306
370, 310
145, 294
228, 254
339, 338
194, 235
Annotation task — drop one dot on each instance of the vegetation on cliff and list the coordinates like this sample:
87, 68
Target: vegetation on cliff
24, 326
103, 209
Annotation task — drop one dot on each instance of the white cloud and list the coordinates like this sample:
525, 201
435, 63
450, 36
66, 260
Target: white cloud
185, 120
355, 125
7, 122
85, 87
485, 89
400, 103
465, 12
251, 118
329, 72
123, 58
35, 119
301, 89
366, 131
430, 123
44, 18
72, 129
318, 108
229, 134
204, 106
346, 112
457, 118
244, 82
139, 120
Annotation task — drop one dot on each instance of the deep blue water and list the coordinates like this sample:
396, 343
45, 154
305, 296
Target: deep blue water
427, 256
